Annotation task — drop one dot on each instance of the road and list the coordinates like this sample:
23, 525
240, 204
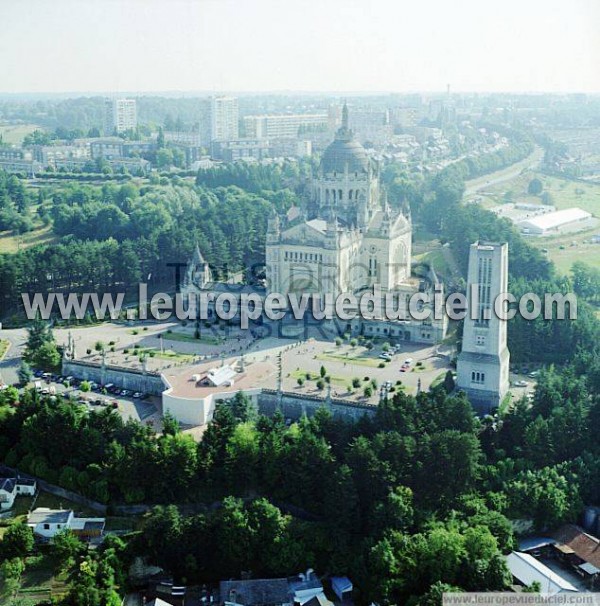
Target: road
9, 366
506, 174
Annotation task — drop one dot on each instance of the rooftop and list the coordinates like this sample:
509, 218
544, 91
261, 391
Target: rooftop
556, 219
44, 515
7, 484
189, 384
584, 545
259, 591
527, 570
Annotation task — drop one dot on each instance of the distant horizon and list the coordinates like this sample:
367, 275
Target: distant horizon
299, 93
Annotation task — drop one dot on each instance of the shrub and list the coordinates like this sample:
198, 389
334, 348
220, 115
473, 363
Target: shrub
300, 381
368, 391
321, 384
355, 382
381, 365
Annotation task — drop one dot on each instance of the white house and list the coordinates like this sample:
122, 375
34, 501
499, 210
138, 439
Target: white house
10, 488
48, 522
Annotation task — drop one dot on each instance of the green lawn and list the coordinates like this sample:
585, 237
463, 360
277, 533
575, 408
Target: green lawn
14, 134
437, 260
315, 376
565, 249
11, 243
178, 336
167, 354
359, 359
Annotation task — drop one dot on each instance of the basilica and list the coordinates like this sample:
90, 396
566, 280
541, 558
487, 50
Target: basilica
345, 237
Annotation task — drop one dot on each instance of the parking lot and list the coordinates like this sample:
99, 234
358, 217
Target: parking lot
130, 405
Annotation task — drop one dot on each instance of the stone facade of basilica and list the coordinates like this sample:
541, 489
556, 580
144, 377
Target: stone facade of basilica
345, 238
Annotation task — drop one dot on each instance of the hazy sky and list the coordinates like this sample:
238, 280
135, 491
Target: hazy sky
320, 45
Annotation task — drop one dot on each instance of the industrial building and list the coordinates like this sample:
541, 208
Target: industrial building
549, 223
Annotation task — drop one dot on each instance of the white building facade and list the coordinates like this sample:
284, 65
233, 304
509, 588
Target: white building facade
120, 115
483, 364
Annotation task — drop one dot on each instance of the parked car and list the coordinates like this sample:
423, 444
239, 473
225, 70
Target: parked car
385, 356
521, 384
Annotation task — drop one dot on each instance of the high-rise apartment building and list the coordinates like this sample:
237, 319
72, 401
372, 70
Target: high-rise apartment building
119, 115
219, 120
284, 126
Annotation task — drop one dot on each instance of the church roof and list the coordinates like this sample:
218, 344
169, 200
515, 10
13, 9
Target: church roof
318, 224
345, 151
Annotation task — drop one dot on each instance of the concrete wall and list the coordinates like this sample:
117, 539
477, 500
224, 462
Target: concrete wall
293, 406
134, 380
198, 411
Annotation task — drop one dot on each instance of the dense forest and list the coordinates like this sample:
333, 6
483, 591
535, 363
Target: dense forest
418, 495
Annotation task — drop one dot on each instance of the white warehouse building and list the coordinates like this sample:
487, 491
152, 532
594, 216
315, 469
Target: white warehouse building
548, 223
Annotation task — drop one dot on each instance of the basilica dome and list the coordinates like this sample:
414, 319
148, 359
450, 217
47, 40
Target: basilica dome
344, 152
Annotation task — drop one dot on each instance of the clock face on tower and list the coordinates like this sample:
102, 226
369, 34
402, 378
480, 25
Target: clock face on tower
373, 249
